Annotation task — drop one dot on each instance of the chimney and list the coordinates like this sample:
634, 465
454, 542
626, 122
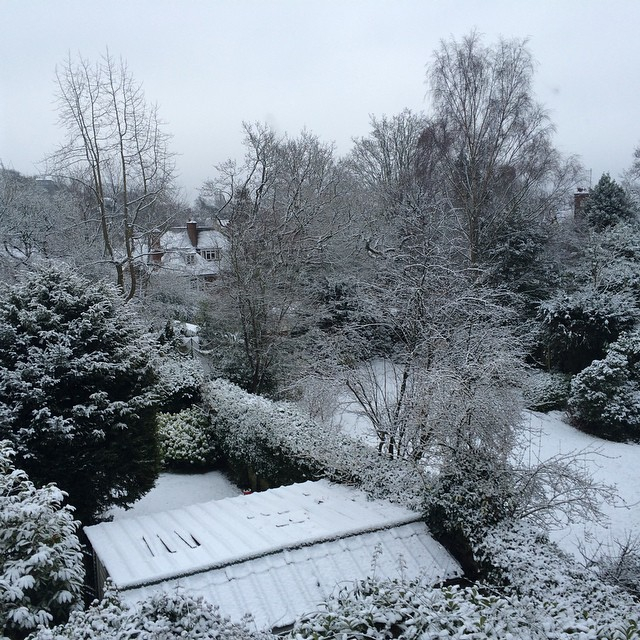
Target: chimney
580, 198
192, 232
155, 246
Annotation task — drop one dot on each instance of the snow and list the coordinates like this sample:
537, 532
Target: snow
611, 463
173, 490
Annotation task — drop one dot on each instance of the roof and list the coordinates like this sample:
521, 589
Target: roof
276, 554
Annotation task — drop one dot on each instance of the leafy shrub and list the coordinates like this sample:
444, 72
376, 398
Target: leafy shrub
186, 439
179, 381
472, 494
379, 610
547, 391
162, 616
605, 396
41, 571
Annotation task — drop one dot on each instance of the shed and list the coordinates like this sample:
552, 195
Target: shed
276, 554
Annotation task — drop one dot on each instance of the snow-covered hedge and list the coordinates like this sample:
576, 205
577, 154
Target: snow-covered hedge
163, 616
378, 610
41, 571
179, 381
186, 439
281, 446
576, 327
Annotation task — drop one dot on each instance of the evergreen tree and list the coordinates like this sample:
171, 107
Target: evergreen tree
608, 204
41, 571
77, 394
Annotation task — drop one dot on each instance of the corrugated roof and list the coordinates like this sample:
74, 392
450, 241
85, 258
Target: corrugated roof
276, 554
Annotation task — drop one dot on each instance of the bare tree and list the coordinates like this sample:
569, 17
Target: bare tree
116, 154
493, 140
283, 208
39, 220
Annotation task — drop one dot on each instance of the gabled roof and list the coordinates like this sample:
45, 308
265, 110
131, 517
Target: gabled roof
276, 554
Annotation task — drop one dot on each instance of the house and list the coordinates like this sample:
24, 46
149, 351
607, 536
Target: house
191, 250
276, 554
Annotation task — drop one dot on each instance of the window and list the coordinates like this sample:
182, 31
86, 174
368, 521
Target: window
190, 258
211, 254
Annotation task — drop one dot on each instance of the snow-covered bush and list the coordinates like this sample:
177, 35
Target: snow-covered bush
281, 446
77, 385
186, 439
605, 396
564, 600
576, 328
619, 563
179, 381
383, 609
470, 495
41, 570
163, 616
547, 391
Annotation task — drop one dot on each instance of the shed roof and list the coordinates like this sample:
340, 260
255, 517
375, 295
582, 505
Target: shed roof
276, 554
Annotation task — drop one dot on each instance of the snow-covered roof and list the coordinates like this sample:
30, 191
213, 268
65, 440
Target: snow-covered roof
276, 554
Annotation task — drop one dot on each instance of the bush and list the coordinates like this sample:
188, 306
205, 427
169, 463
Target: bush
186, 439
179, 381
576, 328
162, 616
605, 396
565, 600
547, 391
379, 610
532, 592
41, 571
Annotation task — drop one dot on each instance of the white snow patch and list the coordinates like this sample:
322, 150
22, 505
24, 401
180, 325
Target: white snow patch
611, 463
174, 490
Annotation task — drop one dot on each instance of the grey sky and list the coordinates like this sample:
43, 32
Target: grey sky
321, 64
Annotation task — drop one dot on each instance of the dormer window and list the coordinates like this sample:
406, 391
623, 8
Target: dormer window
190, 258
211, 254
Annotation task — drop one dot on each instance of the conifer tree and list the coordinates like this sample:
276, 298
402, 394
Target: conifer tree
608, 204
77, 389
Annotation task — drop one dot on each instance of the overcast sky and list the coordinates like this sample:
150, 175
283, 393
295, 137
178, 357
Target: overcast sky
326, 65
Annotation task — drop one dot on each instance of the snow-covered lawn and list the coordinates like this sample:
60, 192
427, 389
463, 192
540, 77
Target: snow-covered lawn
173, 490
612, 463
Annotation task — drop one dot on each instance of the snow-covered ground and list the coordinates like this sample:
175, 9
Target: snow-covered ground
611, 463
173, 490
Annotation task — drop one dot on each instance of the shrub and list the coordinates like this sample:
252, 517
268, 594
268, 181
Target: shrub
547, 391
41, 571
576, 328
180, 379
162, 616
605, 396
186, 439
565, 600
